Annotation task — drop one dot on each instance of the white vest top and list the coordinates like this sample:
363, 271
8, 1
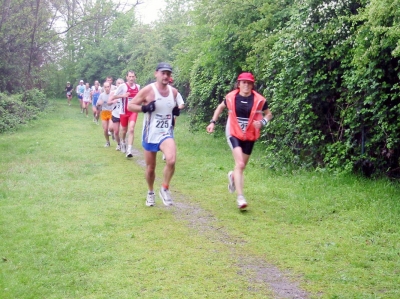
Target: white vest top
157, 124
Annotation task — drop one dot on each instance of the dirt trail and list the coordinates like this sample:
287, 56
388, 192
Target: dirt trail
255, 269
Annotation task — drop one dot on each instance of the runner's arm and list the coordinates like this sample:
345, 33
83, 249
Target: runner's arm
100, 101
135, 105
112, 99
261, 123
217, 112
119, 93
268, 114
179, 101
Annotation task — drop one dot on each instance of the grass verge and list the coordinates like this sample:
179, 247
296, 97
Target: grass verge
73, 223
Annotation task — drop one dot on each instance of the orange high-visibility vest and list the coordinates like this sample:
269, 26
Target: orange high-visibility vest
250, 133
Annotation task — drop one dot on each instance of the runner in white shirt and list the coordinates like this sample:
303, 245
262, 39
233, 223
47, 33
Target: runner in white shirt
87, 98
106, 109
157, 101
116, 103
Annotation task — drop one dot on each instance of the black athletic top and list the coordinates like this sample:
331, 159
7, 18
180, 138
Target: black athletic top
244, 105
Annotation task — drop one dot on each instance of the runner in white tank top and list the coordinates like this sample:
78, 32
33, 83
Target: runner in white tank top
157, 124
157, 101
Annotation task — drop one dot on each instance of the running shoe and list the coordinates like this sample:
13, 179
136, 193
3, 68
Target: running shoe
151, 199
109, 133
118, 148
163, 157
129, 152
107, 144
231, 184
241, 202
165, 195
123, 147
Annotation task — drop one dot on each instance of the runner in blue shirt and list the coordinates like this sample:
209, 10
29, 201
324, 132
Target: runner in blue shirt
79, 93
96, 91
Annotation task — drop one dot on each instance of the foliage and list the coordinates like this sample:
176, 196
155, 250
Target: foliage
108, 55
160, 41
19, 108
212, 55
328, 68
25, 45
335, 105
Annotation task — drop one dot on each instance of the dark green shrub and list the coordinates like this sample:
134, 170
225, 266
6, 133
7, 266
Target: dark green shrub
19, 108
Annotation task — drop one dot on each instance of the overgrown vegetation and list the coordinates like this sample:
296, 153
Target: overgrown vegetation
20, 108
334, 92
329, 69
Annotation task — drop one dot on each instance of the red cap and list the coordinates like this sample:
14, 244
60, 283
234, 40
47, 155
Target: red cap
171, 80
246, 77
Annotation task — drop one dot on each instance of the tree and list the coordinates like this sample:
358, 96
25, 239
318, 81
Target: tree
24, 44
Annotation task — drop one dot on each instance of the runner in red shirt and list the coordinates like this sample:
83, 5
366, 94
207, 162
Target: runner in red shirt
126, 92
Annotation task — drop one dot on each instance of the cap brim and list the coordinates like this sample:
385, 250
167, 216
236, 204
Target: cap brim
164, 69
246, 79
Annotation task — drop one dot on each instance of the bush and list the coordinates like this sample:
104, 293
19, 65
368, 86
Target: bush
19, 108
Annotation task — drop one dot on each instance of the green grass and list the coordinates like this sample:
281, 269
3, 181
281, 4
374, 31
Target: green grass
73, 223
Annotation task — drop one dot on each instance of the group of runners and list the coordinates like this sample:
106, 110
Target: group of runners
119, 105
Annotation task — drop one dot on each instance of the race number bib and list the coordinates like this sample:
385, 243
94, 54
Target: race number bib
243, 122
162, 124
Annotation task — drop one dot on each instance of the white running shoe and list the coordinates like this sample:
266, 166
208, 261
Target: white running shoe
163, 157
241, 202
129, 152
165, 195
151, 199
231, 184
123, 147
118, 148
107, 144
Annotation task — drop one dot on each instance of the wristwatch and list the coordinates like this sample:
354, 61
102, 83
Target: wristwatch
213, 122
